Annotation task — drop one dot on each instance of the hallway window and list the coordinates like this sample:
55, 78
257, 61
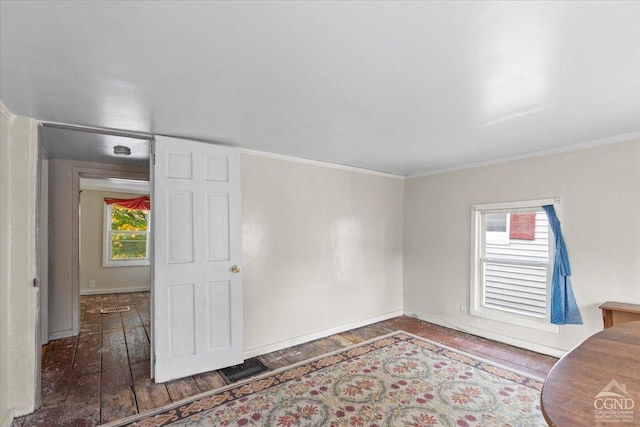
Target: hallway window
126, 236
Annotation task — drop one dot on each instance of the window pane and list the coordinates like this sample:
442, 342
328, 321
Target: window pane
128, 246
514, 247
495, 222
516, 288
514, 271
125, 219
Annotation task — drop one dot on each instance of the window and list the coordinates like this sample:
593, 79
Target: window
512, 263
126, 235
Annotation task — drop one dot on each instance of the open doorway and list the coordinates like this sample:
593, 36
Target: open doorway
67, 155
80, 168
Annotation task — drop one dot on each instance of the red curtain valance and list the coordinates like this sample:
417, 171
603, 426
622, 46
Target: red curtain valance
142, 202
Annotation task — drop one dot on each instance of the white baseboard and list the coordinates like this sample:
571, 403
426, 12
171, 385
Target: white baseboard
16, 412
256, 351
60, 334
8, 418
100, 291
538, 348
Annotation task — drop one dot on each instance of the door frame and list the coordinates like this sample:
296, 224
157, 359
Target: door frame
91, 169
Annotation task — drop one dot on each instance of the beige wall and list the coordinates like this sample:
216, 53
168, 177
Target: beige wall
322, 248
64, 185
18, 296
600, 191
107, 279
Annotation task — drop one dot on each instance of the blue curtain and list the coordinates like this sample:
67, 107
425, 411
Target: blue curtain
564, 309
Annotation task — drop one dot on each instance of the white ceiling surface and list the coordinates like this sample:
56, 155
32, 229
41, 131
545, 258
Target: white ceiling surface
401, 87
77, 145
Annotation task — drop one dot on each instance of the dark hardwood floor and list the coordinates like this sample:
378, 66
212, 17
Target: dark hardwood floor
103, 374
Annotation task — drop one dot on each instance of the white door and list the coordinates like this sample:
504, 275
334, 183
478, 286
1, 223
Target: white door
197, 253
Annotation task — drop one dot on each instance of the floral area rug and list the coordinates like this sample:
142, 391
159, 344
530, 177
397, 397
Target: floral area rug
395, 380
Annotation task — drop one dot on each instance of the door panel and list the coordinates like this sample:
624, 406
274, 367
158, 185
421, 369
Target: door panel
218, 227
180, 226
197, 239
219, 303
182, 331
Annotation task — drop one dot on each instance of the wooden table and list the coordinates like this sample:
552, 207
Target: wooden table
571, 389
614, 313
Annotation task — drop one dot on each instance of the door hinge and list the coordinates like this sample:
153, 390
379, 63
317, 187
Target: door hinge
35, 282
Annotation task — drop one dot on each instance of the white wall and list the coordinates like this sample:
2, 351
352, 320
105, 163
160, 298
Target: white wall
18, 296
600, 191
107, 279
322, 249
64, 186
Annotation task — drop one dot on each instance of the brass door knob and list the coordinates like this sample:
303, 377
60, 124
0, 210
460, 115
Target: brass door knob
235, 269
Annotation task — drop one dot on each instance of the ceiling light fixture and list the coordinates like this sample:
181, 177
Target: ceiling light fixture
121, 150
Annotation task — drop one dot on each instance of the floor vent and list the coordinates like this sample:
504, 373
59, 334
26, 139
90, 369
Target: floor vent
249, 368
115, 309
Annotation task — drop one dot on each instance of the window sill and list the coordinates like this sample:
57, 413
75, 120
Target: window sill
137, 263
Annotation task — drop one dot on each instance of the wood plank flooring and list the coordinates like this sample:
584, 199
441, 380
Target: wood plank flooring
103, 374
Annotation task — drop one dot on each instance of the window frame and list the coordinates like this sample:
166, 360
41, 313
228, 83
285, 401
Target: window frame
107, 261
476, 305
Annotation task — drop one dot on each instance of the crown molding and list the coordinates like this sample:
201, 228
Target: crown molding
567, 148
319, 163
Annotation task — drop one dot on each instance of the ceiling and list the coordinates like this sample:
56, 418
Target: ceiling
400, 87
78, 145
